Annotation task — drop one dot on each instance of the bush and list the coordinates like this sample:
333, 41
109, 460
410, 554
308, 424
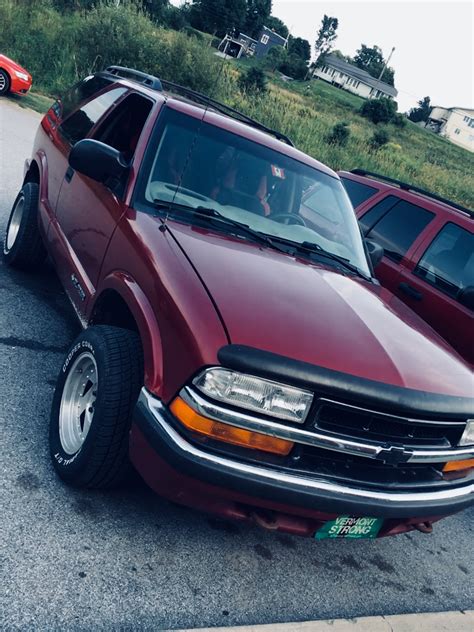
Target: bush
379, 110
379, 139
399, 120
294, 67
339, 135
253, 81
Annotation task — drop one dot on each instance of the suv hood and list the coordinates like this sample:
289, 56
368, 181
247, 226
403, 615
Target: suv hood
312, 313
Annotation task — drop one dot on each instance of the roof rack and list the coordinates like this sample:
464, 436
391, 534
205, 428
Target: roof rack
135, 75
408, 187
225, 109
157, 84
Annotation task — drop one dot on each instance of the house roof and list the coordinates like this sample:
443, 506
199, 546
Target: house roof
274, 33
359, 74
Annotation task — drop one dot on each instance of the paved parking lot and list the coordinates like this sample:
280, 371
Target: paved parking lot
129, 560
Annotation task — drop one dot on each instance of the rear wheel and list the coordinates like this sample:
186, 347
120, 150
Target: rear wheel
22, 246
4, 82
96, 392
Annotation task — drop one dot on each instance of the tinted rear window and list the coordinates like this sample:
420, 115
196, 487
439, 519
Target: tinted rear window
79, 124
81, 92
397, 230
448, 262
358, 192
369, 219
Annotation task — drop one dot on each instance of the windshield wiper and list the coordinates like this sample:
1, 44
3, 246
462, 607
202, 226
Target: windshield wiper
270, 241
308, 246
213, 213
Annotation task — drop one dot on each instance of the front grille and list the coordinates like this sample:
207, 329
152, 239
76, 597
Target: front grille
358, 423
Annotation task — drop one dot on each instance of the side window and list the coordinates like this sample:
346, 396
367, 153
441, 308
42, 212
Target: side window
82, 91
357, 191
448, 262
369, 219
123, 127
79, 124
399, 227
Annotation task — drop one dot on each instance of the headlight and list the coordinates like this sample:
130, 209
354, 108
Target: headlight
255, 393
468, 434
21, 75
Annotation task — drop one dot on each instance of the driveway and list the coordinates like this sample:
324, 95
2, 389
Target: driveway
130, 560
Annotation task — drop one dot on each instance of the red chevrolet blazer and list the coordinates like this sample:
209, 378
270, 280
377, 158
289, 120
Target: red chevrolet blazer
235, 350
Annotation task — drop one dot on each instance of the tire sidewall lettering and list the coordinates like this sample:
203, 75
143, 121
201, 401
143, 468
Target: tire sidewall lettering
84, 344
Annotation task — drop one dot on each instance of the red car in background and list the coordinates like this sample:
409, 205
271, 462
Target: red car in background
428, 246
13, 78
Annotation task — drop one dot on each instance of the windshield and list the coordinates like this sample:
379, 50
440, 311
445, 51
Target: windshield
196, 164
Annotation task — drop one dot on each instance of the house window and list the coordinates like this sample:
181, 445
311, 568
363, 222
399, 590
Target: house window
264, 39
471, 123
457, 130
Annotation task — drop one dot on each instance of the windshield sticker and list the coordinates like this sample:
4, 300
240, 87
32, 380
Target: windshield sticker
278, 172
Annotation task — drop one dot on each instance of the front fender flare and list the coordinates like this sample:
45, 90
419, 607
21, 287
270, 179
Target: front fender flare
142, 311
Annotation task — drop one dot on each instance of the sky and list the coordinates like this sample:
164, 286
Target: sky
433, 40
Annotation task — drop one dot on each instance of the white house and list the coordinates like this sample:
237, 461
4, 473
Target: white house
344, 75
457, 124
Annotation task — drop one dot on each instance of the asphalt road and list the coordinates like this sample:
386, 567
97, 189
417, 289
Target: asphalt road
129, 560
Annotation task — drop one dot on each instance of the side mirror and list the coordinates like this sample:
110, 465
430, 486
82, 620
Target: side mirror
376, 252
466, 296
97, 160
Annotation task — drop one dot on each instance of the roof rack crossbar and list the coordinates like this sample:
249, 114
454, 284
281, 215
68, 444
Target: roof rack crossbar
408, 187
225, 109
135, 75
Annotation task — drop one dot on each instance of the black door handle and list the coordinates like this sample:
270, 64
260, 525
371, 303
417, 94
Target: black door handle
410, 291
69, 174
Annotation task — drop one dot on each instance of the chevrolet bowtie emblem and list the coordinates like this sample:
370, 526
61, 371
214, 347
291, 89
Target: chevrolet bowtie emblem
394, 455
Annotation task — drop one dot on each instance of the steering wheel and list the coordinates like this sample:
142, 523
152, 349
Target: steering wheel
290, 217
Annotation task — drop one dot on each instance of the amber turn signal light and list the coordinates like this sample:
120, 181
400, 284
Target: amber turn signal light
224, 432
454, 466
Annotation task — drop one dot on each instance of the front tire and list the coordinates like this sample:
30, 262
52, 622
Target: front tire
4, 83
96, 392
23, 247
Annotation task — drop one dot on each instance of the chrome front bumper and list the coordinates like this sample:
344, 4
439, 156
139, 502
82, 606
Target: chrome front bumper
153, 418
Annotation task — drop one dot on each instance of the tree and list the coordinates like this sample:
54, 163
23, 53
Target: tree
422, 112
275, 57
371, 60
218, 16
277, 25
257, 15
157, 9
294, 66
379, 110
300, 48
326, 35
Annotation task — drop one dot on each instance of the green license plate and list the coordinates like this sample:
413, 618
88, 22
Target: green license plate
347, 527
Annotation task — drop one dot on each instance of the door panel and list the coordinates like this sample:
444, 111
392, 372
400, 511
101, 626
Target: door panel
449, 318
441, 267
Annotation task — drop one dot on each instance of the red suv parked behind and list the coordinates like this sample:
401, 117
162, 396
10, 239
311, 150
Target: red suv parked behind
236, 350
428, 251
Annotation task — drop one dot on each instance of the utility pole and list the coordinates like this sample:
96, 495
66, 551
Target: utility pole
374, 91
386, 64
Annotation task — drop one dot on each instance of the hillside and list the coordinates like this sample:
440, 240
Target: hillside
83, 42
